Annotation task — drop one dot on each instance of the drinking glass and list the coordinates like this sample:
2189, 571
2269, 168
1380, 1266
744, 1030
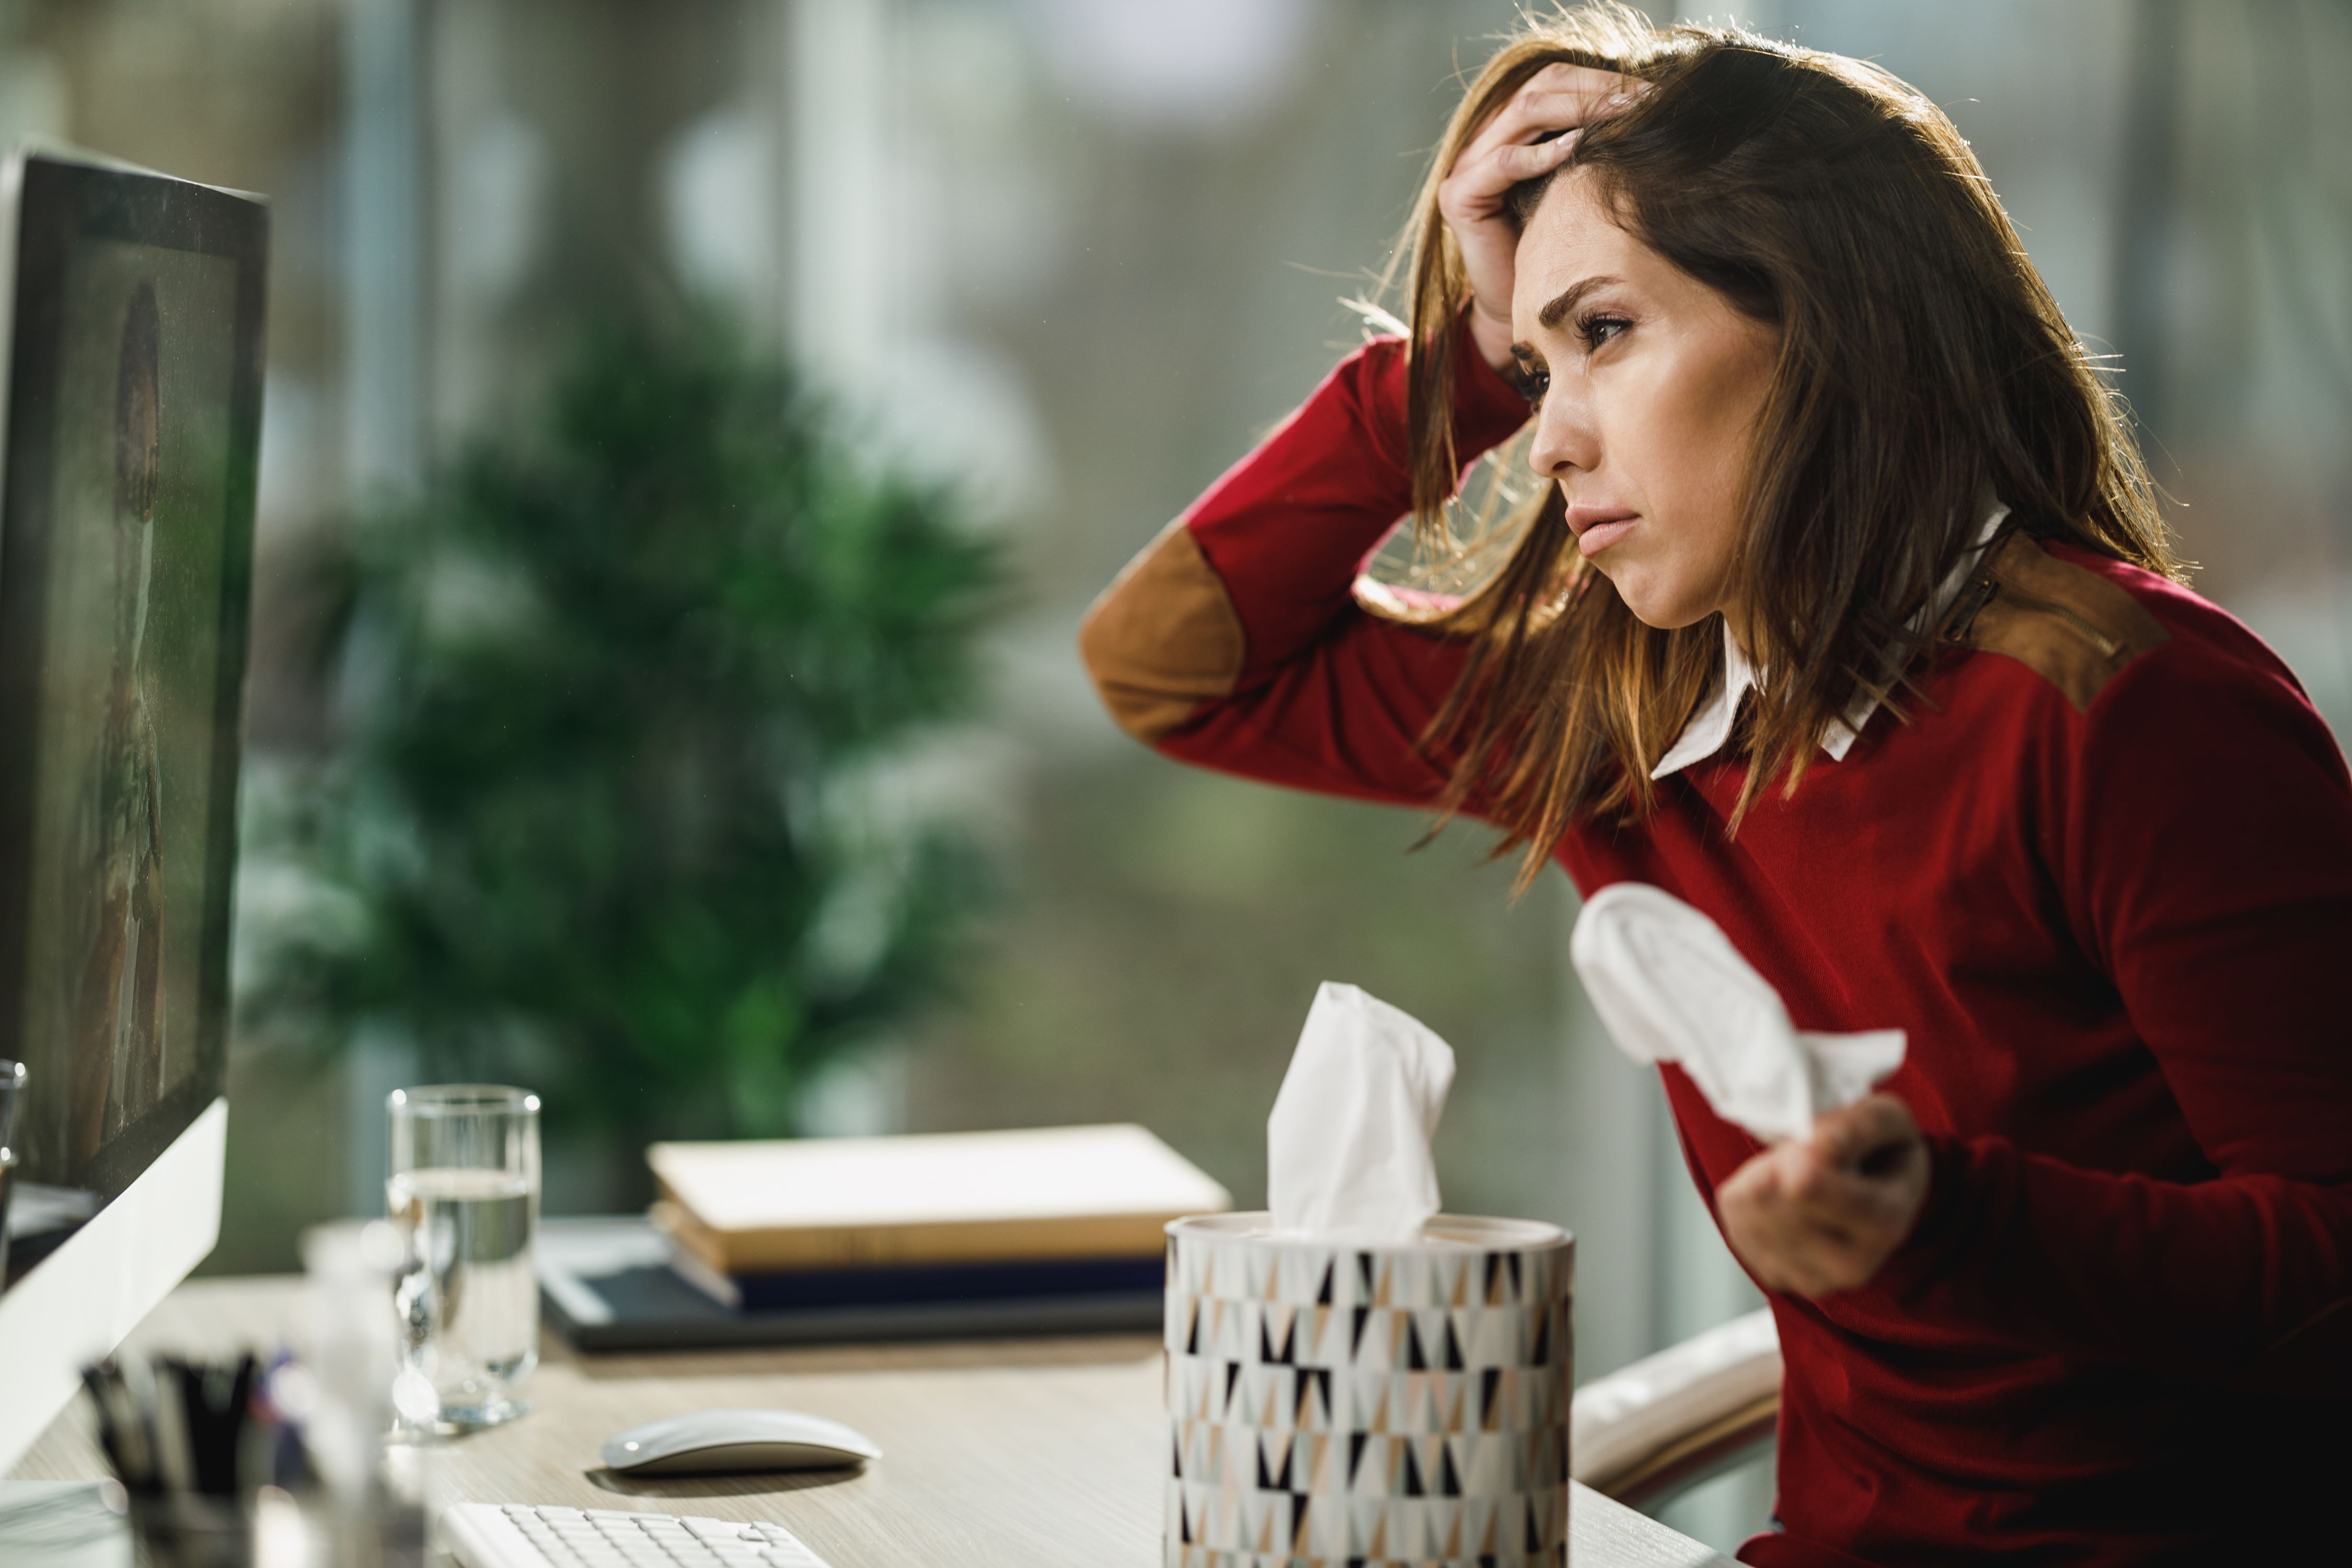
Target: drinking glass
464, 1190
11, 1092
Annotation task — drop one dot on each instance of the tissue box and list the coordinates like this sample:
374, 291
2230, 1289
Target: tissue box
1344, 1403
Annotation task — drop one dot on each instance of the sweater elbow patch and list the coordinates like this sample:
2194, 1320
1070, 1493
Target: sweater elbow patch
1163, 638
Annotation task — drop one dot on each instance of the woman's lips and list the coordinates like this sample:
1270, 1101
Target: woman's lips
1599, 527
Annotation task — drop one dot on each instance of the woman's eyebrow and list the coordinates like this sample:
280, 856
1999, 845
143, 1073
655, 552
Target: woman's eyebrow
1552, 314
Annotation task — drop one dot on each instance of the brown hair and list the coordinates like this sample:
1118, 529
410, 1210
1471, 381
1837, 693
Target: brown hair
1921, 359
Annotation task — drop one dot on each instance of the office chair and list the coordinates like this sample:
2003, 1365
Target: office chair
1675, 1419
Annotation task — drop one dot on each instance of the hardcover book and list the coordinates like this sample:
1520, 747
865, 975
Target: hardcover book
767, 1206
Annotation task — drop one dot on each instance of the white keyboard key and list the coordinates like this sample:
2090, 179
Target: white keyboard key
782, 1549
727, 1542
516, 1535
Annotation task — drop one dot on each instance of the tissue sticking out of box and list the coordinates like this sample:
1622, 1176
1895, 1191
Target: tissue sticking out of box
1347, 1145
1670, 988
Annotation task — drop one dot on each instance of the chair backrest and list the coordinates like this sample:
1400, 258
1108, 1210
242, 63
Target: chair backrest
1671, 1420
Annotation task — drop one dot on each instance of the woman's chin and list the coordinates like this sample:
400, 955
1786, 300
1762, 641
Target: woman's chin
1660, 605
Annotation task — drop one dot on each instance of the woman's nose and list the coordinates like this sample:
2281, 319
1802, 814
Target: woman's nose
1565, 440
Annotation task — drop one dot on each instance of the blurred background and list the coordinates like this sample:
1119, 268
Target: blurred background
1054, 264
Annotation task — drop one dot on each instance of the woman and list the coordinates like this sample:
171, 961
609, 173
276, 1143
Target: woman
1845, 613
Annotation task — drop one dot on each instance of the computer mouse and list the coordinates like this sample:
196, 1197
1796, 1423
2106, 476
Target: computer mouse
712, 1442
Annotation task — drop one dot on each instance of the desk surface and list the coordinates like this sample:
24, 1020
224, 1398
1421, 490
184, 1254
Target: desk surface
1019, 1453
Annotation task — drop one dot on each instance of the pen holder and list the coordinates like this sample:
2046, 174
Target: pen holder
1339, 1404
190, 1530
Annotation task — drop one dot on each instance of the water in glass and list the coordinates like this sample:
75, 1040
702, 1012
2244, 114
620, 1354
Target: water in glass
464, 1191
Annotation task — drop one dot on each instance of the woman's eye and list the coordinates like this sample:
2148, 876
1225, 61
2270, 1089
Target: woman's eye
1531, 380
1598, 329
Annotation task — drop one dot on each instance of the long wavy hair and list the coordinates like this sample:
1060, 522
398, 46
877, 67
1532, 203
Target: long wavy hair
1921, 362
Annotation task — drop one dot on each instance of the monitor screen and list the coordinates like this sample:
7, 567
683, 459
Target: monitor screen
133, 405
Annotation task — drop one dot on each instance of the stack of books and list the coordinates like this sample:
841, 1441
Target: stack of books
1057, 1227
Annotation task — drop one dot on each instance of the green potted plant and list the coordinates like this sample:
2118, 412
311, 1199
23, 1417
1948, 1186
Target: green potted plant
602, 817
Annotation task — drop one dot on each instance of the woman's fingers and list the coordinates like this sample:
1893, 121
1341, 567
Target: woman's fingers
1533, 113
1505, 150
1781, 1245
1851, 1207
1814, 1253
1559, 97
1845, 1194
1482, 181
1853, 1134
1825, 1215
1502, 154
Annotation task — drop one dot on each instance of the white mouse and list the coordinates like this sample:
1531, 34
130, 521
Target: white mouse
712, 1441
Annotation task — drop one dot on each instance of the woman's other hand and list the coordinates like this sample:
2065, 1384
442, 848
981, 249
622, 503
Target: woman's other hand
1820, 1217
1504, 153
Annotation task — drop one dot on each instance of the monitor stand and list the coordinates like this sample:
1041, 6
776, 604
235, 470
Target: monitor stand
80, 1302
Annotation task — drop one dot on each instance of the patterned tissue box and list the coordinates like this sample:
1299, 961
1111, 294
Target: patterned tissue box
1341, 1405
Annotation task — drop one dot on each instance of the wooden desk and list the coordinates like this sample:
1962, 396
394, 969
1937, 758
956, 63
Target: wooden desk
1018, 1453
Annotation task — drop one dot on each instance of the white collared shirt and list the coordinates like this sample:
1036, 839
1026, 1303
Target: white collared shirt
1709, 728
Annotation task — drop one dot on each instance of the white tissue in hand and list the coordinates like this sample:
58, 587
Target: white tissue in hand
1670, 988
1347, 1145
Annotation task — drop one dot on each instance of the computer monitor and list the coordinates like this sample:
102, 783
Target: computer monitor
131, 424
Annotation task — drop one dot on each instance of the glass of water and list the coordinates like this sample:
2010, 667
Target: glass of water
464, 1190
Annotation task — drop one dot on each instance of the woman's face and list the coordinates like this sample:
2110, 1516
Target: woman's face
1651, 387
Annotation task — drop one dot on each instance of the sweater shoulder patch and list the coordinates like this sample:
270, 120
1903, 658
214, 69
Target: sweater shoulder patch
2067, 624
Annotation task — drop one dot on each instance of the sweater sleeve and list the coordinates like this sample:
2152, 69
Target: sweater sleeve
2203, 847
1233, 640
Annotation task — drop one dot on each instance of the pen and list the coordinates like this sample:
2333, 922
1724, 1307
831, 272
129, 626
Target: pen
109, 1437
171, 1420
135, 1459
173, 1424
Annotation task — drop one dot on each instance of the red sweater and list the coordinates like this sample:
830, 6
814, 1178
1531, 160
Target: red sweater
2105, 884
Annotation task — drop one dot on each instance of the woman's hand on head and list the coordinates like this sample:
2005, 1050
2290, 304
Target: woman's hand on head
1503, 153
1819, 1217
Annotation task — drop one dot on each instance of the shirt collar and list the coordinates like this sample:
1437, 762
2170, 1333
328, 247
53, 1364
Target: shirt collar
1709, 728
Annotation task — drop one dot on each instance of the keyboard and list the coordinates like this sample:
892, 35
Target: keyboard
509, 1535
